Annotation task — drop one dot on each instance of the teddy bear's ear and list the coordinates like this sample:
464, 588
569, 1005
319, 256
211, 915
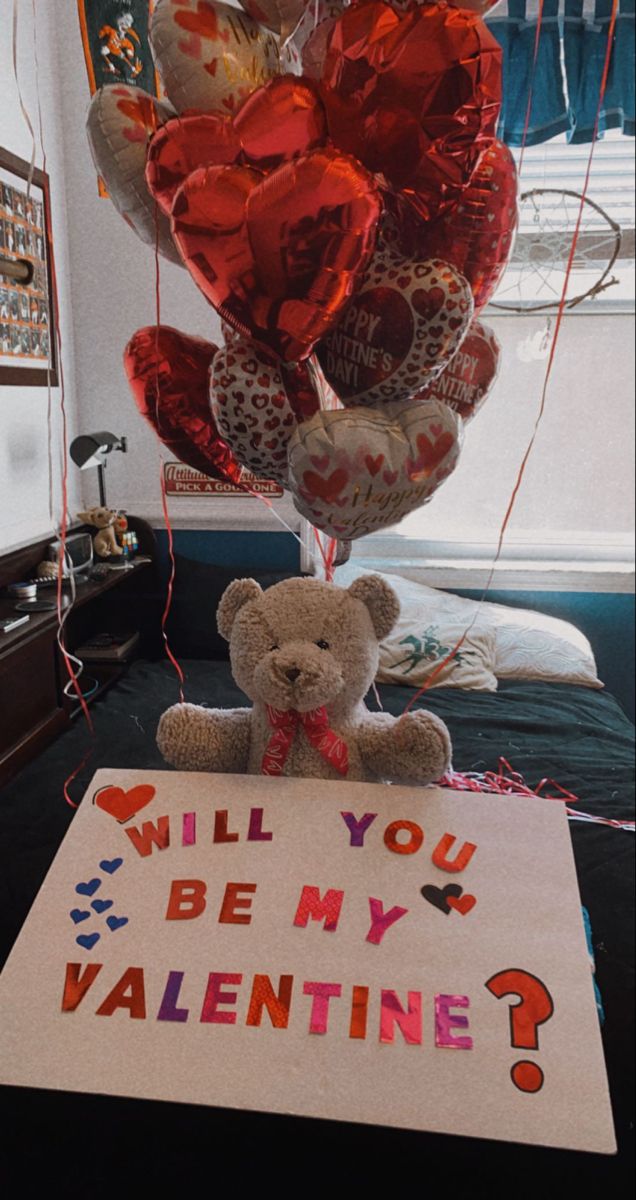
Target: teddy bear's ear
86, 517
240, 592
381, 601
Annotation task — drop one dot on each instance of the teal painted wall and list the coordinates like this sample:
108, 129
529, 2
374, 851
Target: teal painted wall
606, 619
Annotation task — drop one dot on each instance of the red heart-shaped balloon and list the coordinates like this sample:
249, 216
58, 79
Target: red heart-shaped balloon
276, 123
280, 256
478, 234
169, 376
413, 96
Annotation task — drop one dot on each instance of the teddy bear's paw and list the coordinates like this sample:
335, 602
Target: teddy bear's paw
423, 741
183, 737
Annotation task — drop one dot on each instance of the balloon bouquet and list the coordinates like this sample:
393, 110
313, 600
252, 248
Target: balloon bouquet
330, 177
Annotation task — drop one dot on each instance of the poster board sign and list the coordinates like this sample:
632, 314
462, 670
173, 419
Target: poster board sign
357, 952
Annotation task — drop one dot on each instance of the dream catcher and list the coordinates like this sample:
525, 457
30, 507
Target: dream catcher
536, 275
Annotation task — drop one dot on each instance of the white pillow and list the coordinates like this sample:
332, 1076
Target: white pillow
527, 644
425, 633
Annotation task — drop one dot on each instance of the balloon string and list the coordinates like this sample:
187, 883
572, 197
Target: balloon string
23, 107
533, 71
62, 612
162, 483
548, 374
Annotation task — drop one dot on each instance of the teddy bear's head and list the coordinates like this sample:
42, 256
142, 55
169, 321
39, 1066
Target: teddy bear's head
302, 643
99, 517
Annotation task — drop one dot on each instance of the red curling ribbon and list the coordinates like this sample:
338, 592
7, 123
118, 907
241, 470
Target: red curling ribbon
315, 725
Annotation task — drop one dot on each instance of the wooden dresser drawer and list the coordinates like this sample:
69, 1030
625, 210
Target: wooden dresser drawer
29, 697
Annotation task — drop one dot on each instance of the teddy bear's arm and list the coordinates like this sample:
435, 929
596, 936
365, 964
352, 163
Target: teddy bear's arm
414, 748
193, 738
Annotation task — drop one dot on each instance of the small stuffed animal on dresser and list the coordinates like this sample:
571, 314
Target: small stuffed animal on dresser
105, 540
306, 652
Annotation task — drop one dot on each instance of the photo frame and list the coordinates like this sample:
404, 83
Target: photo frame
28, 318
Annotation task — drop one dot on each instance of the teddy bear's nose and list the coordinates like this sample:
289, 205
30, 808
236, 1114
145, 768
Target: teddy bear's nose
292, 674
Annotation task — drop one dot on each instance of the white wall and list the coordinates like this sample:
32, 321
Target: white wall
114, 295
24, 451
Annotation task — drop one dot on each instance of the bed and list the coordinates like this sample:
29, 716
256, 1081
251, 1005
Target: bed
577, 735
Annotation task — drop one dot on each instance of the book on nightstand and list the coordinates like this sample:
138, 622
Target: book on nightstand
107, 647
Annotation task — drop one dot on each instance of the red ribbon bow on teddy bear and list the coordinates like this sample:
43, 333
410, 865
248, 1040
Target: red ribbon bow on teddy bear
316, 726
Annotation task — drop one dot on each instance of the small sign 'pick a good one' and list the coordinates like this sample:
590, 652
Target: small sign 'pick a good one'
420, 951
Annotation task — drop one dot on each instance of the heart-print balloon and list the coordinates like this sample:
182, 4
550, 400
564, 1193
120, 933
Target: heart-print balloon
121, 120
469, 377
210, 56
251, 409
281, 16
399, 332
279, 121
279, 257
169, 376
355, 470
412, 96
478, 235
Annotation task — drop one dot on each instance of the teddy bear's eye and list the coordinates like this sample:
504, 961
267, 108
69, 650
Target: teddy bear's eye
322, 644
274, 647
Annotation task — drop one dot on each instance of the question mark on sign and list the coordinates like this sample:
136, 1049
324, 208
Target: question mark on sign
534, 1008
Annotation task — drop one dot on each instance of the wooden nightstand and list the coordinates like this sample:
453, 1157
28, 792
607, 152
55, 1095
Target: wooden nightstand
32, 673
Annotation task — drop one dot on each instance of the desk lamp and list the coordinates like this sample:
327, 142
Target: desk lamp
90, 450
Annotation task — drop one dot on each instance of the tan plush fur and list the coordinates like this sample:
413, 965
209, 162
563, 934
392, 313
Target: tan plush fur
105, 542
301, 645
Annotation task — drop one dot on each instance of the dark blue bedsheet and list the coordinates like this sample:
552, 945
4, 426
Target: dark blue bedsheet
579, 737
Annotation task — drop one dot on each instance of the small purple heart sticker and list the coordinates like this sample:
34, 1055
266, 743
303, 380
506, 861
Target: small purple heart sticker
110, 865
88, 889
79, 914
100, 906
87, 940
116, 922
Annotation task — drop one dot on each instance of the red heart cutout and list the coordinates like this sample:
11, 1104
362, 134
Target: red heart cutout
461, 904
169, 376
123, 805
279, 257
276, 123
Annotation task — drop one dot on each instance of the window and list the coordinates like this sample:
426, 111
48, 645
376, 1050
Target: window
573, 522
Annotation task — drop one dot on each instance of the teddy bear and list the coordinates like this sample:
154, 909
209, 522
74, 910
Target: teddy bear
305, 653
105, 541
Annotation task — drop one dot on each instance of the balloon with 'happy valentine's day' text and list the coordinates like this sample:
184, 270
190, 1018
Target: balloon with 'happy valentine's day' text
356, 470
121, 121
210, 55
169, 376
251, 408
469, 377
399, 332
279, 255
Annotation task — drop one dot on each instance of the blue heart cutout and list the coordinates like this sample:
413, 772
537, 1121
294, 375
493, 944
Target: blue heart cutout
100, 906
116, 922
88, 889
87, 940
79, 914
110, 865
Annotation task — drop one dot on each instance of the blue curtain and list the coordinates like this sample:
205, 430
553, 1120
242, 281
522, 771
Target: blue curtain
585, 46
564, 101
